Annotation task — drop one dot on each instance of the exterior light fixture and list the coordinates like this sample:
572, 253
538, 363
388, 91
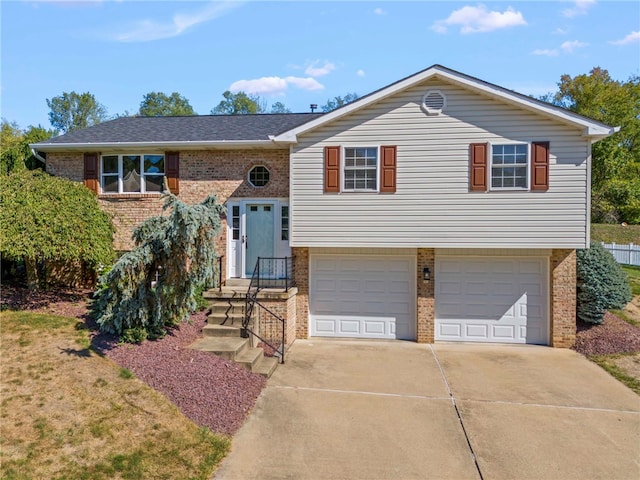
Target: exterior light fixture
426, 274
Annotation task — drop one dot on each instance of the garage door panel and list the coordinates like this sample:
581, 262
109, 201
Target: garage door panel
493, 299
478, 331
374, 296
504, 332
530, 267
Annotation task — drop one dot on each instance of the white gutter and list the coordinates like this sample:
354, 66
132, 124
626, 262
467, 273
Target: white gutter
89, 146
35, 153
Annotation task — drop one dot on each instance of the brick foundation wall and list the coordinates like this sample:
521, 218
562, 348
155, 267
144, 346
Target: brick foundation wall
202, 173
426, 297
285, 307
301, 275
563, 298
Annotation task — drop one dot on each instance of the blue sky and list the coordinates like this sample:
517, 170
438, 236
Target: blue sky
299, 52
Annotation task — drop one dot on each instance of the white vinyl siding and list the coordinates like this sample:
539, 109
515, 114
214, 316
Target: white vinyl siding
432, 206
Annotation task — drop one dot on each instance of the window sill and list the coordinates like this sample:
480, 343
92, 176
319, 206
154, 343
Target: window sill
106, 196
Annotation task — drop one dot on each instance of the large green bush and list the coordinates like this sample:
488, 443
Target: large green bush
602, 284
46, 218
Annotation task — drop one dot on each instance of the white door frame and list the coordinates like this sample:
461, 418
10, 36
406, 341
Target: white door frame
236, 266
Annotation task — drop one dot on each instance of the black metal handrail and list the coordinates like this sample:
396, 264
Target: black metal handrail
220, 272
274, 272
269, 272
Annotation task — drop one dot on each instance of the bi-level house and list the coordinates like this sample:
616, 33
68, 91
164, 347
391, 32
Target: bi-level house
440, 207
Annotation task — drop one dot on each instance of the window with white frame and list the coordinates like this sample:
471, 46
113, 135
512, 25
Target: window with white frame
509, 166
284, 226
142, 173
361, 168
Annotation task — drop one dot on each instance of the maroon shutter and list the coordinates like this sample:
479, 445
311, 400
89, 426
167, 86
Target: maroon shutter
91, 172
478, 167
388, 169
540, 166
172, 171
332, 169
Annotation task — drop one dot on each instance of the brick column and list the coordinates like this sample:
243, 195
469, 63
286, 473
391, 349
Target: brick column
301, 275
563, 298
426, 298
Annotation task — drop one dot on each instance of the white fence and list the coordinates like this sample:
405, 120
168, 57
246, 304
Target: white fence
628, 254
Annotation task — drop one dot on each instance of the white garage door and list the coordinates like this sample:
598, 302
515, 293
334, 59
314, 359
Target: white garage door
362, 296
491, 299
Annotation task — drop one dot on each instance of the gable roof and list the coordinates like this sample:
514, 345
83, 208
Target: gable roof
591, 128
268, 130
188, 131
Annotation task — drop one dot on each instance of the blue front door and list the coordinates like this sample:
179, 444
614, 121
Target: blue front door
259, 236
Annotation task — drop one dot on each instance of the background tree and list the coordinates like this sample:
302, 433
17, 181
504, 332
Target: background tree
181, 247
159, 104
239, 104
15, 153
279, 107
338, 102
616, 159
72, 111
50, 218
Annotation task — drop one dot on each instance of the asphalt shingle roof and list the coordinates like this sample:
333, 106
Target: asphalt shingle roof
197, 128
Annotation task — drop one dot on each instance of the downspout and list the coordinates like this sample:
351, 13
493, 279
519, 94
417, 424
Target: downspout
35, 153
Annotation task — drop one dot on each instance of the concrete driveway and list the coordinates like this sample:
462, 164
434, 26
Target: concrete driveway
344, 409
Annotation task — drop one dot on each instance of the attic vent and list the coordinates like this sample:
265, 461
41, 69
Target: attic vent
434, 102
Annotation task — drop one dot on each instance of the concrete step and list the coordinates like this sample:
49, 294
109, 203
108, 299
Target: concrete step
226, 292
265, 366
225, 347
222, 319
237, 282
222, 330
218, 306
250, 357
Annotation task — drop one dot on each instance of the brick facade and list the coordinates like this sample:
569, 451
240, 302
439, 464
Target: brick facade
301, 277
426, 297
563, 298
202, 173
282, 304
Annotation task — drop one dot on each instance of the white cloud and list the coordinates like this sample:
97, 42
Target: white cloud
580, 7
566, 47
275, 85
148, 30
545, 52
305, 83
314, 71
560, 31
631, 38
360, 73
479, 19
569, 47
379, 11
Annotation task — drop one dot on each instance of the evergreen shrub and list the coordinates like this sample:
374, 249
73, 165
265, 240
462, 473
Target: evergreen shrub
157, 284
602, 284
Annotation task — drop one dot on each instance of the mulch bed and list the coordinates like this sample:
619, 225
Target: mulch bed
614, 335
211, 391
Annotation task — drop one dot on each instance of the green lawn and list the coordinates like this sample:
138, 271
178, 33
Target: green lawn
69, 413
634, 278
609, 233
